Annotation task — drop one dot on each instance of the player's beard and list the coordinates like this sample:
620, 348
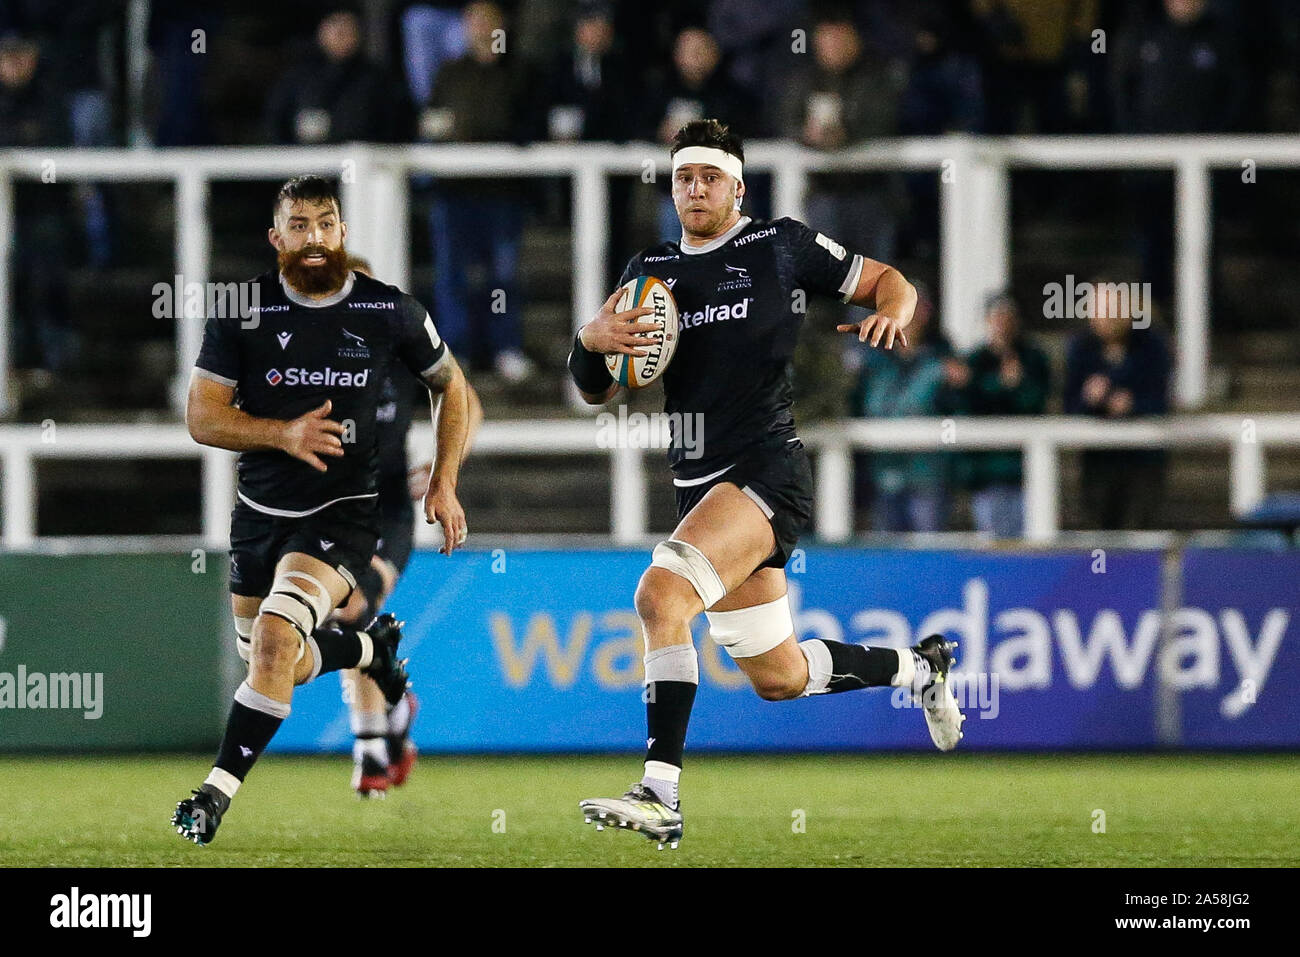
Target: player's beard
712, 226
314, 280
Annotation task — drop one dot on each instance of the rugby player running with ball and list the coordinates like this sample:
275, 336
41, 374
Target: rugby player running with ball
295, 390
743, 505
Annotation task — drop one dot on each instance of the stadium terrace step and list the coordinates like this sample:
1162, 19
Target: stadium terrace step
1268, 348
554, 494
1259, 388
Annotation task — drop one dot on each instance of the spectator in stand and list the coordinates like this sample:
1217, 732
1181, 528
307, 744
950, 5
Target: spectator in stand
696, 88
183, 118
477, 224
945, 91
82, 44
33, 114
1179, 73
842, 99
1007, 375
756, 42
33, 107
587, 92
911, 489
431, 36
1114, 371
335, 95
655, 28
586, 97
1028, 49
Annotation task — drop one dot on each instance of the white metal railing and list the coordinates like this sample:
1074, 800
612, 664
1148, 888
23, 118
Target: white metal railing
1040, 438
975, 230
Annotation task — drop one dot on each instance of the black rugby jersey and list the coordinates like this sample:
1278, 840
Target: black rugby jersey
741, 300
292, 354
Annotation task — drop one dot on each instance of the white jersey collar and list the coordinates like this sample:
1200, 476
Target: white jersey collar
299, 299
713, 244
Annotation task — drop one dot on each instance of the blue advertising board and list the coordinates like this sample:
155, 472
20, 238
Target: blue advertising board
541, 651
1235, 658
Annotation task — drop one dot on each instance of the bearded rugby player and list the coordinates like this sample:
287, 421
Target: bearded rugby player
743, 505
295, 392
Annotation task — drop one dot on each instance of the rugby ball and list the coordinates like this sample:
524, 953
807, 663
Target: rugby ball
636, 372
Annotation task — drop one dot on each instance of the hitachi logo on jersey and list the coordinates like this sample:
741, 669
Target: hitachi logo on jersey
761, 234
735, 310
372, 305
326, 376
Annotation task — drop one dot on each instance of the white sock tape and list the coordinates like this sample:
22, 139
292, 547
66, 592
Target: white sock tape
367, 650
223, 781
674, 663
906, 669
819, 665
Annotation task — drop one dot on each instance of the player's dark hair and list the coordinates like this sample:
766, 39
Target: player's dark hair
311, 189
708, 133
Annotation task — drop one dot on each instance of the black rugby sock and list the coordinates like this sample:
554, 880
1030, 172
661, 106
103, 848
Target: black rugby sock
854, 666
336, 649
254, 719
667, 712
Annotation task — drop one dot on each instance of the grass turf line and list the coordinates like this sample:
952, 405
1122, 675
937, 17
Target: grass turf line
897, 810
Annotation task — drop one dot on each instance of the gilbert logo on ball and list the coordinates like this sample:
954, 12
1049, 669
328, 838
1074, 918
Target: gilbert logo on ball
636, 372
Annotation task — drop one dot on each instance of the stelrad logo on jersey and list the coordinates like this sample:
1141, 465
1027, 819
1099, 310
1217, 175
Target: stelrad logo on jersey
733, 310
326, 376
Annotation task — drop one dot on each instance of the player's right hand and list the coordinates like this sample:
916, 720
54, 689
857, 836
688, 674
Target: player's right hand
613, 333
312, 435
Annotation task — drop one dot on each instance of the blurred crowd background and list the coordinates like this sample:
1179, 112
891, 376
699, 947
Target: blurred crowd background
174, 73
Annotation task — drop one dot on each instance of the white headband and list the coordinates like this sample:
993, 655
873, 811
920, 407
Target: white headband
710, 155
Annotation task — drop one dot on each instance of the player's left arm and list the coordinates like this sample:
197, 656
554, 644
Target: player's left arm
823, 266
884, 289
422, 350
448, 387
417, 476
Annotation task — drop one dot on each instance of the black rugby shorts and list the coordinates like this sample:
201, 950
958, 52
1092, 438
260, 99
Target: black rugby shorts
778, 477
342, 535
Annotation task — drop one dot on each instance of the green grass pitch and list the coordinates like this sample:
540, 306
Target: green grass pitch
811, 810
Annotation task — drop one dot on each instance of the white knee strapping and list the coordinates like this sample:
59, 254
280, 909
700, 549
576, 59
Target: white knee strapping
244, 637
295, 604
689, 562
747, 632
